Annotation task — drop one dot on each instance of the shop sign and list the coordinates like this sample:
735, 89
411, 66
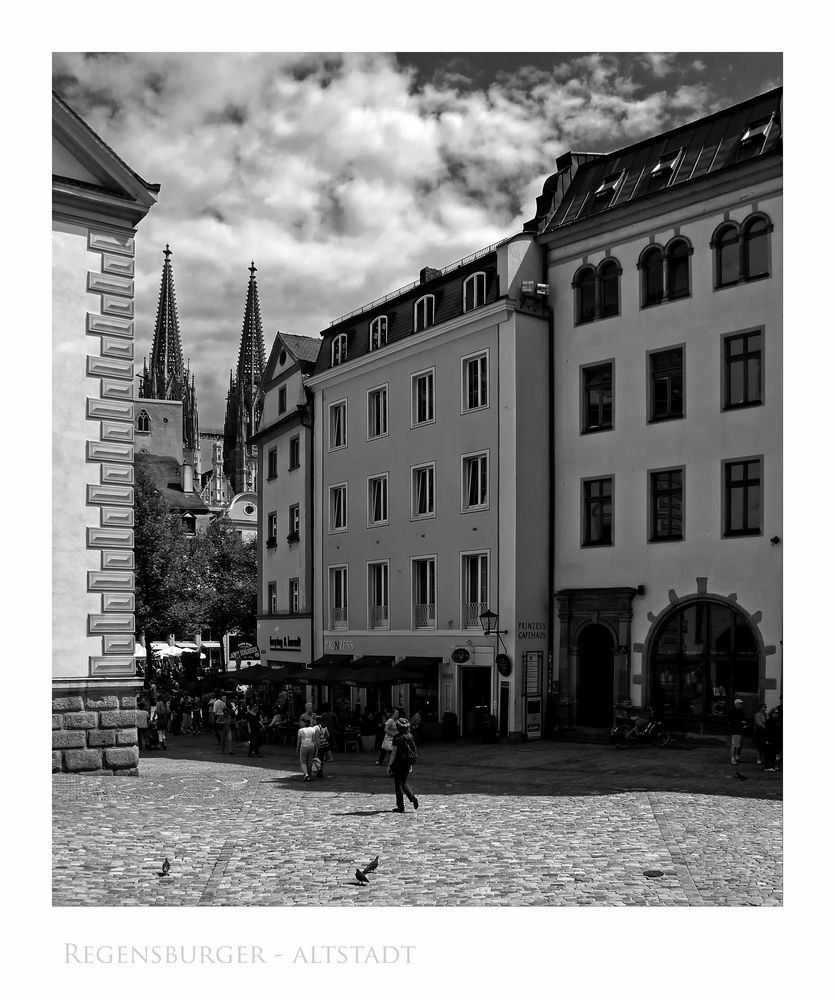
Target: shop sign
247, 653
531, 630
460, 655
339, 645
503, 664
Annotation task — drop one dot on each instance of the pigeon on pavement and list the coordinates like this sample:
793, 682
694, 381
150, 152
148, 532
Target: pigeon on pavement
360, 875
166, 868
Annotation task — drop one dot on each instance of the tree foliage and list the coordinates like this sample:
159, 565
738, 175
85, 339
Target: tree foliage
190, 583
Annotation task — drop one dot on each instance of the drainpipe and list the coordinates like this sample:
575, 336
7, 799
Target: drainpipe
550, 700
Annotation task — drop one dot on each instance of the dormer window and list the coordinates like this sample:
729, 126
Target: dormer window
667, 162
339, 350
757, 129
378, 333
605, 194
475, 291
143, 423
424, 312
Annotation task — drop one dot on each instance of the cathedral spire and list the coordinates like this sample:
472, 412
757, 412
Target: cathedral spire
166, 369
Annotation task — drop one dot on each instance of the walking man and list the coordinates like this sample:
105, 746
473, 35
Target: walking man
218, 709
403, 756
253, 721
307, 742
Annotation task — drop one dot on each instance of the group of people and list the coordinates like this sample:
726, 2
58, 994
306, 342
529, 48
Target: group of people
767, 734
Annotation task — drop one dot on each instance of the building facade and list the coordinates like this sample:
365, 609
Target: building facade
97, 203
664, 262
431, 491
285, 442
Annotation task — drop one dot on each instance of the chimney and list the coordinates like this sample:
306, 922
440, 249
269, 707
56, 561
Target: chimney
187, 477
428, 273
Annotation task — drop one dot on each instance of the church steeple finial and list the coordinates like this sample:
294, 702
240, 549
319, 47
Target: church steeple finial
166, 368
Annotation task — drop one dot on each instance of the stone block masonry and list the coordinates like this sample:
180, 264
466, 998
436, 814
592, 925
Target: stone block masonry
94, 731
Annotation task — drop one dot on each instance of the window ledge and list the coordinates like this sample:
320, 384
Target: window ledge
272, 543
293, 536
597, 430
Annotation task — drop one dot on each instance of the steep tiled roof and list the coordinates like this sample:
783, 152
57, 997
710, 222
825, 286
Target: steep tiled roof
164, 473
302, 348
720, 142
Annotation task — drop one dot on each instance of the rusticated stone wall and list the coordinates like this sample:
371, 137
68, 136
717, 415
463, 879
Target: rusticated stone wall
94, 732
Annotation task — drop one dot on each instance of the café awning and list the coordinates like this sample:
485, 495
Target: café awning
253, 674
371, 670
414, 668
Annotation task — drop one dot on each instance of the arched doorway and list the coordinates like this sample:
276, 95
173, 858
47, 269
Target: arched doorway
703, 655
595, 676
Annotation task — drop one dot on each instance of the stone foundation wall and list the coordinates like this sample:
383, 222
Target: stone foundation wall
94, 732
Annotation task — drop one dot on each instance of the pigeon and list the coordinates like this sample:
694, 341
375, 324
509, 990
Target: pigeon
360, 875
166, 868
740, 777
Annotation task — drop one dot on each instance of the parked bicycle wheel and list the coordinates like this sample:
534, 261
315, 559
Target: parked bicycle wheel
621, 738
661, 736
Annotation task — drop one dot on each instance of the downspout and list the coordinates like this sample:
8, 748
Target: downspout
550, 699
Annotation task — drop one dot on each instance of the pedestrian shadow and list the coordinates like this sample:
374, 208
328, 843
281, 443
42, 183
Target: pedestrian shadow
365, 812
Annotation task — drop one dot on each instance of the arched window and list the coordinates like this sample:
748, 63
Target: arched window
339, 349
652, 276
703, 655
378, 333
678, 269
424, 312
726, 247
143, 423
475, 291
189, 524
608, 275
755, 247
584, 295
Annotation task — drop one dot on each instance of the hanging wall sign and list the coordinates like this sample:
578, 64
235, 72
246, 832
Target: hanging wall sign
503, 665
460, 655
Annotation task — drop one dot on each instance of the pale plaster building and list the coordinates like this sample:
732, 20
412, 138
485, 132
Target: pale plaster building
664, 261
97, 203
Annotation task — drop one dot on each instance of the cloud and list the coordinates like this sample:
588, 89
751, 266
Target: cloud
340, 175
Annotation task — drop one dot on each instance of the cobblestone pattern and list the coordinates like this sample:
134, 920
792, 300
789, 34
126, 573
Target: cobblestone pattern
240, 835
94, 733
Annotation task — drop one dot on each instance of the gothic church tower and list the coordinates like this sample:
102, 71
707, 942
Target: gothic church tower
243, 406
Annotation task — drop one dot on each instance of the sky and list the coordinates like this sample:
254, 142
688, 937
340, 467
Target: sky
342, 175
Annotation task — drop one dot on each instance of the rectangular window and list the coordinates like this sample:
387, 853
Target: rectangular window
378, 412
293, 523
743, 497
378, 500
423, 491
378, 595
474, 388
282, 399
597, 511
339, 507
272, 598
423, 593
338, 424
272, 463
667, 505
598, 392
295, 448
475, 581
423, 397
338, 585
293, 592
743, 370
666, 385
272, 529
474, 482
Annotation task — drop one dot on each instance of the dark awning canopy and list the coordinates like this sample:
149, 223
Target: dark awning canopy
253, 674
417, 667
371, 669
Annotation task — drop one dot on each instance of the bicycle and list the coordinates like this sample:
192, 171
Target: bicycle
626, 733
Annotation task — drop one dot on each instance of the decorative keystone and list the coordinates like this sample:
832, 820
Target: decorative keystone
101, 738
122, 758
80, 720
83, 760
672, 596
106, 701
701, 584
117, 720
67, 704
68, 738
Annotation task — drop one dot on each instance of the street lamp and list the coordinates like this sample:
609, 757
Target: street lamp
489, 622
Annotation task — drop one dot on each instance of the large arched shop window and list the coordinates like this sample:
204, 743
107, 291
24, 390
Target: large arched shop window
703, 655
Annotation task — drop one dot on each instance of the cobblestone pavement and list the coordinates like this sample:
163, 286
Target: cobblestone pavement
535, 824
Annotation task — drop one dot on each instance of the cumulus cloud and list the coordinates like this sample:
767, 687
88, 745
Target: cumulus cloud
341, 175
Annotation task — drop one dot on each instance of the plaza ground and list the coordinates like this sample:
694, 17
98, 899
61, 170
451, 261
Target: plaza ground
541, 823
